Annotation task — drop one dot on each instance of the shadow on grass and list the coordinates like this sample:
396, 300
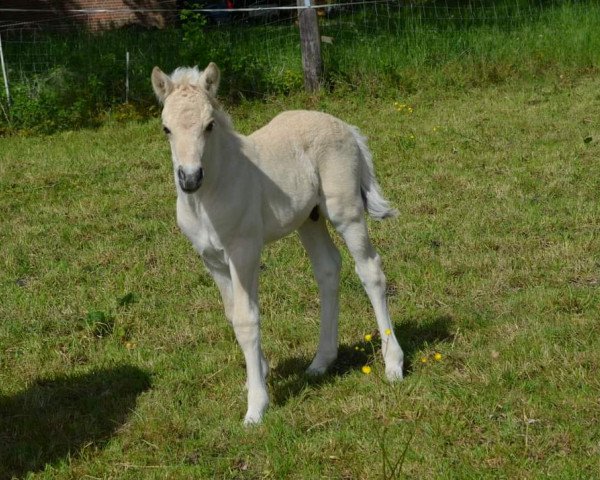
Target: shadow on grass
56, 417
288, 379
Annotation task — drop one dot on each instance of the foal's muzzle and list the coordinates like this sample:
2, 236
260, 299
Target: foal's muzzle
190, 182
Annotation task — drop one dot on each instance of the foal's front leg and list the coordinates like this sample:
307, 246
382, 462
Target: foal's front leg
244, 266
222, 277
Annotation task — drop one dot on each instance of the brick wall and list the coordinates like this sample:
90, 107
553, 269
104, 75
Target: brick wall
58, 14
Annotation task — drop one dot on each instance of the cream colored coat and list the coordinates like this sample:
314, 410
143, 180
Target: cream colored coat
236, 193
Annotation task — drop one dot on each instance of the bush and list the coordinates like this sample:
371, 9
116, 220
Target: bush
54, 101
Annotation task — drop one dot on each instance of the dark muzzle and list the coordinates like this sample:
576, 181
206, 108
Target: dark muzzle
190, 182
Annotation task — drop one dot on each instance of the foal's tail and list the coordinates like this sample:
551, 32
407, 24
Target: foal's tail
377, 206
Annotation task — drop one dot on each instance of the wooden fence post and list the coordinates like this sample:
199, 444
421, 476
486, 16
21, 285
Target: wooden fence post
310, 41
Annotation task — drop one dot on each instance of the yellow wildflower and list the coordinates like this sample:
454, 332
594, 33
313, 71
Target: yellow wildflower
388, 331
438, 356
366, 369
368, 337
423, 359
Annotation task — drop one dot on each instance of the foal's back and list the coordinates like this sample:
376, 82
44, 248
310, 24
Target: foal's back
304, 156
304, 132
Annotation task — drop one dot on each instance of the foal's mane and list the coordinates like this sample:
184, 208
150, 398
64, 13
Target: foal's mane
190, 78
186, 77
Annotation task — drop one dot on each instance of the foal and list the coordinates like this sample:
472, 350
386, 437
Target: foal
236, 193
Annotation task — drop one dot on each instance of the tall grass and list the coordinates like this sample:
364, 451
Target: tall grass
378, 48
459, 47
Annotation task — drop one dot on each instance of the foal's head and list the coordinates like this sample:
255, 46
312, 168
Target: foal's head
190, 115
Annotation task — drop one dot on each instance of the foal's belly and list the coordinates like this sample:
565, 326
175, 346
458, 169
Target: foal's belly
287, 204
290, 187
278, 224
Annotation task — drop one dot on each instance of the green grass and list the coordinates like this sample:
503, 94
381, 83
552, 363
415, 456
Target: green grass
452, 45
117, 362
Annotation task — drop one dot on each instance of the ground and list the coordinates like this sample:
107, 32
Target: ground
117, 361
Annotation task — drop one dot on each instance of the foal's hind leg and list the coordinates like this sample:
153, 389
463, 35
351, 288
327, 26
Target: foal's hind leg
351, 224
326, 262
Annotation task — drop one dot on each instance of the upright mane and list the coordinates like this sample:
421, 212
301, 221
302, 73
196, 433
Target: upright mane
186, 77
190, 78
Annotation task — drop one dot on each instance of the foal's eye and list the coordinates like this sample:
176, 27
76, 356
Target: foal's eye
210, 126
166, 130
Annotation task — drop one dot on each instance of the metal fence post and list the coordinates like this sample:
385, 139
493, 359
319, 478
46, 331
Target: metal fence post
4, 74
127, 77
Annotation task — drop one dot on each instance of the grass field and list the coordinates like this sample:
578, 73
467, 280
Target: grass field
116, 360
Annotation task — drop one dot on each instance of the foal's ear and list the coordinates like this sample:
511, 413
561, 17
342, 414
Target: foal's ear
210, 79
161, 83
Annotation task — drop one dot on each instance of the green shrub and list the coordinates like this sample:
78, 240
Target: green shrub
54, 101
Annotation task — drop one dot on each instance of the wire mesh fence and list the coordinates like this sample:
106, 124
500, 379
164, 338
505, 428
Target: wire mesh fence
71, 52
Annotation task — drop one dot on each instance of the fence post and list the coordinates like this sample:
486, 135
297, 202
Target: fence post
4, 74
310, 42
127, 76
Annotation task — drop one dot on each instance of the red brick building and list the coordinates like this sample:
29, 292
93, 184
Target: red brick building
91, 14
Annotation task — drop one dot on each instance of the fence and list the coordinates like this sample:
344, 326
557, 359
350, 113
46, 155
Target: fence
56, 66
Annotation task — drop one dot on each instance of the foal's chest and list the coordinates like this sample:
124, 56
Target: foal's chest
197, 226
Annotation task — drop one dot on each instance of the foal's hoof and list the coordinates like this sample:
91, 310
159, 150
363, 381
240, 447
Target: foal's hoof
251, 419
257, 406
254, 417
315, 371
320, 365
394, 374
